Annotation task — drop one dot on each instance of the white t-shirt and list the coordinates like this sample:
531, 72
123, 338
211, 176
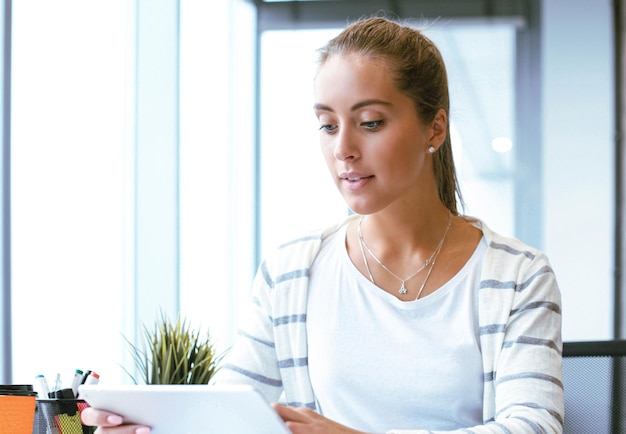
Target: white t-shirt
378, 363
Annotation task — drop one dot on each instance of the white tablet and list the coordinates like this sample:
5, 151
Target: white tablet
188, 409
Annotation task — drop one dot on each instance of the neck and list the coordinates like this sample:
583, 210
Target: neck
405, 233
427, 265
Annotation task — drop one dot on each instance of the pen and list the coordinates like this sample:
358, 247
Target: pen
85, 375
93, 378
89, 378
57, 383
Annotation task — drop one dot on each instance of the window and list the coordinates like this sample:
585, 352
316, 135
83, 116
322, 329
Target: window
216, 164
69, 174
88, 235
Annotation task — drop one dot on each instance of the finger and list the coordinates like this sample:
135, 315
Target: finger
93, 417
285, 413
123, 429
289, 414
109, 423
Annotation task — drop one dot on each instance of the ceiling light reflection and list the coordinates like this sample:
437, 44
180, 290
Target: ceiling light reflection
502, 145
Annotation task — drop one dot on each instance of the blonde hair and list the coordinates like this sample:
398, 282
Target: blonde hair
419, 72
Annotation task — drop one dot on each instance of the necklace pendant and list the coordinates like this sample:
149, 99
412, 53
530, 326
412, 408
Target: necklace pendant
402, 289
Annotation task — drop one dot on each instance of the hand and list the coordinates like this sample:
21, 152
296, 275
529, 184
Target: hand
306, 421
109, 423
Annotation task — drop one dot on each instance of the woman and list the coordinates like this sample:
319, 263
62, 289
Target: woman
407, 317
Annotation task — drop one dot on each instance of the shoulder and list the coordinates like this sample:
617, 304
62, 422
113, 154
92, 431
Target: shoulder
510, 264
299, 252
505, 246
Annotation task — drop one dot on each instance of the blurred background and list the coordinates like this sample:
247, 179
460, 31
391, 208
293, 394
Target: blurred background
154, 150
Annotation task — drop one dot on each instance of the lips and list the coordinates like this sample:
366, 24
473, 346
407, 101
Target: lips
355, 181
354, 177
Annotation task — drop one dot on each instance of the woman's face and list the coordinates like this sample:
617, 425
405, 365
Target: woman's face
373, 142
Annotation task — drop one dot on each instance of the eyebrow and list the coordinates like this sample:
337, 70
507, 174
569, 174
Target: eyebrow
356, 106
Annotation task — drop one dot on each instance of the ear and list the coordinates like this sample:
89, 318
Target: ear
439, 127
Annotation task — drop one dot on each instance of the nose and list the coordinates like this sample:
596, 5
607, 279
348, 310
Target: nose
346, 145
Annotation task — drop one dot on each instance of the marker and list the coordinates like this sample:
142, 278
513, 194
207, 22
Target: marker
93, 378
85, 376
78, 378
42, 387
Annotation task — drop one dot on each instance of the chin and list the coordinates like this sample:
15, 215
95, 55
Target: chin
361, 208
363, 204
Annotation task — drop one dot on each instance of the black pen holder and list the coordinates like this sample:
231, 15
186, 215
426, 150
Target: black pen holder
60, 416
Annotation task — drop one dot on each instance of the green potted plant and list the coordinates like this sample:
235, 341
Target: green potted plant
174, 353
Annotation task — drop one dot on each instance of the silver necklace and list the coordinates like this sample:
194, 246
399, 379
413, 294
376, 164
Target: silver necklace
430, 261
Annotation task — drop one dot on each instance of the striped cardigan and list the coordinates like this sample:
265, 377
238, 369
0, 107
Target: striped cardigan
520, 335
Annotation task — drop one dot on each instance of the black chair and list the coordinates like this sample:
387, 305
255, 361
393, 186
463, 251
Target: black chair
594, 378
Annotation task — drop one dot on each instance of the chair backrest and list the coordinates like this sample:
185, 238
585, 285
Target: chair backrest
594, 378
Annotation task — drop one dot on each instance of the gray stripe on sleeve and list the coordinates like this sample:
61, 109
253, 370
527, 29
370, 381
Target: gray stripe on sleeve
255, 339
536, 428
310, 405
295, 274
535, 375
293, 363
496, 284
504, 429
289, 319
537, 305
492, 329
529, 340
511, 250
536, 406
266, 275
254, 376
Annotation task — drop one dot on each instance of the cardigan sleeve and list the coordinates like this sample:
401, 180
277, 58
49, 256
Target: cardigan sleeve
527, 374
252, 358
270, 353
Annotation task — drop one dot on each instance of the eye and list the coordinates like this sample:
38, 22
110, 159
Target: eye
372, 125
328, 128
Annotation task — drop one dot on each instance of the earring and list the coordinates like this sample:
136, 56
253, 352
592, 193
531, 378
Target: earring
431, 149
